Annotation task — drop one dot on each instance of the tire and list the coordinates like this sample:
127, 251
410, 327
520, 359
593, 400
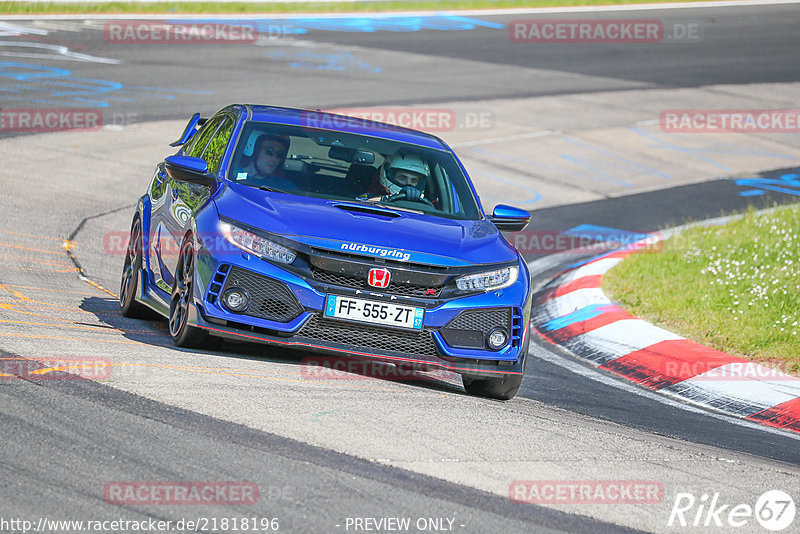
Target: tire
503, 387
129, 284
182, 333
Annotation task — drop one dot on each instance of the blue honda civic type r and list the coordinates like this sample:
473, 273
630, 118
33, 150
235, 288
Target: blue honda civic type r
331, 234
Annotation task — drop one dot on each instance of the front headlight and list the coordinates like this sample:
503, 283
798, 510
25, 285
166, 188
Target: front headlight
256, 245
488, 281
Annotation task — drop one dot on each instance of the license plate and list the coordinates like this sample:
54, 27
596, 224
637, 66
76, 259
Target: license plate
371, 311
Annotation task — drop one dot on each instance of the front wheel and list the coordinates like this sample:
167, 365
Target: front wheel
182, 333
503, 387
131, 269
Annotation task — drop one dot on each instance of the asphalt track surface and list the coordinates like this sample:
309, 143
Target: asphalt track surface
733, 50
64, 439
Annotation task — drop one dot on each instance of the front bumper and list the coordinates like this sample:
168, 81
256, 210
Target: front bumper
301, 324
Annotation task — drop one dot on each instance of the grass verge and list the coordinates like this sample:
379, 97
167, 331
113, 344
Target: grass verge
171, 8
735, 288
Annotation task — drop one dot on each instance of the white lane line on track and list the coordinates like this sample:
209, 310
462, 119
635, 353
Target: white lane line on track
52, 52
662, 397
474, 12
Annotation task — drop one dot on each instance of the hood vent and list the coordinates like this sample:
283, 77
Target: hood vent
368, 210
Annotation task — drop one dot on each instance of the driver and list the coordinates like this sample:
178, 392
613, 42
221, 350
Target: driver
403, 175
266, 163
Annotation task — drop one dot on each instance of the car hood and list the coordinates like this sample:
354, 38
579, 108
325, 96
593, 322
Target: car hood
343, 226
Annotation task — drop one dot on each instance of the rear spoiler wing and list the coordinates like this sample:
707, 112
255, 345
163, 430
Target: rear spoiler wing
192, 126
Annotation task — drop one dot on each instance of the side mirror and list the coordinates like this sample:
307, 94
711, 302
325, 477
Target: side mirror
509, 218
189, 169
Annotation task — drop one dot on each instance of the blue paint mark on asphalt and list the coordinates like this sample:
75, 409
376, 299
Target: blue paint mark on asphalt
358, 24
682, 149
762, 185
55, 86
604, 233
578, 316
599, 175
305, 59
531, 163
536, 195
711, 148
24, 72
617, 157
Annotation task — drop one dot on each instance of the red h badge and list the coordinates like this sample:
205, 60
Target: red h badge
379, 278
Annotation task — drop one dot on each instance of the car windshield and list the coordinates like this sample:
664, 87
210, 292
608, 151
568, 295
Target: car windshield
343, 166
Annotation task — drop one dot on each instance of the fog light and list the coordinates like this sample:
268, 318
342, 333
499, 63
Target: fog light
235, 300
497, 339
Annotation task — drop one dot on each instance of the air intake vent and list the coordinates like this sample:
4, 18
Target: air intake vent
368, 210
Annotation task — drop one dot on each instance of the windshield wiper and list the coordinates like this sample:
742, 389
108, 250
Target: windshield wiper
398, 208
271, 189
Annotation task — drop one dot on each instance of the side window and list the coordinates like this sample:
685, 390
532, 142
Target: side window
158, 187
202, 137
216, 147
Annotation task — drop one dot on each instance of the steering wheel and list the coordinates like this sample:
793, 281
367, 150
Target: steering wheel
403, 195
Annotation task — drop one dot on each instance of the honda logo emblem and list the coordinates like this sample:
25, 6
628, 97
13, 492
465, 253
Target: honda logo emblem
379, 278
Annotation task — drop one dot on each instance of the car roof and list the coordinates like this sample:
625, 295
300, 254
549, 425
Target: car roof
342, 123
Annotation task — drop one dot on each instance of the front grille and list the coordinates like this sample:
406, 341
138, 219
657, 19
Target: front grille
469, 328
483, 320
356, 282
269, 298
367, 338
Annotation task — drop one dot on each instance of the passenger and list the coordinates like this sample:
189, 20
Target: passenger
265, 167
